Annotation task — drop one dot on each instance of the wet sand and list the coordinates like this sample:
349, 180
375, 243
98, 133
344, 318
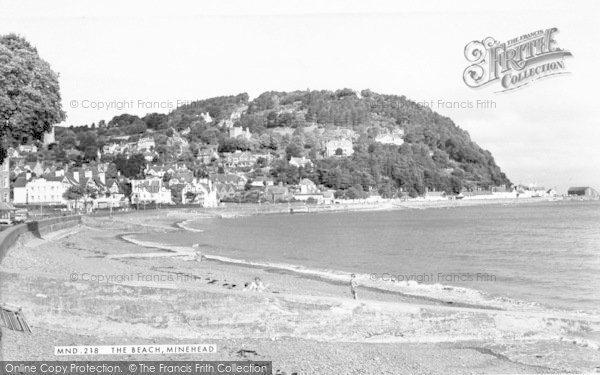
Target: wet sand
82, 286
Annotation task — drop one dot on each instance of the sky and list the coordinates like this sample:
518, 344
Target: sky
147, 56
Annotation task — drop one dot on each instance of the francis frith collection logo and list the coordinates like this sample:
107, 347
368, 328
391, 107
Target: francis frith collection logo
515, 63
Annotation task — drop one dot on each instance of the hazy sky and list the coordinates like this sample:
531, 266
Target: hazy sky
149, 56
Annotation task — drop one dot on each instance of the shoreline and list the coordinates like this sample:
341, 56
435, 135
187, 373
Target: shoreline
233, 210
338, 279
295, 320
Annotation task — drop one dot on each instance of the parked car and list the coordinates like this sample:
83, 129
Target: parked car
21, 216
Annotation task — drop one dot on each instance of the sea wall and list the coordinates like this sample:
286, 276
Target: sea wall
10, 236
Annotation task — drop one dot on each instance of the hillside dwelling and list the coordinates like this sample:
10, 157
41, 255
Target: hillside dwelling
240, 159
28, 149
208, 153
301, 162
145, 144
159, 170
206, 117
236, 131
5, 180
116, 148
239, 181
391, 138
339, 147
178, 141
583, 191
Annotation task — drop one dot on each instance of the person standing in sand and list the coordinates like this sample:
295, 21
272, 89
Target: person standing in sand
353, 286
255, 286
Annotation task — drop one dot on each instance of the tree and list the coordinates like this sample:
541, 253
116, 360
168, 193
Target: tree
73, 193
293, 150
131, 167
77, 192
190, 196
29, 93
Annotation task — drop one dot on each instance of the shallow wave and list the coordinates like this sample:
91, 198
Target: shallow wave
436, 292
183, 250
184, 225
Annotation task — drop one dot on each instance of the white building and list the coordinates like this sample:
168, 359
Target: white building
204, 193
301, 162
339, 147
49, 137
236, 131
393, 138
150, 190
146, 144
30, 149
43, 190
206, 117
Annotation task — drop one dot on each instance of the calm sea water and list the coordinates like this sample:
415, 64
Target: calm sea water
548, 253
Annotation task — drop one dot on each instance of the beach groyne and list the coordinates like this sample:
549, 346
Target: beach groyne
10, 236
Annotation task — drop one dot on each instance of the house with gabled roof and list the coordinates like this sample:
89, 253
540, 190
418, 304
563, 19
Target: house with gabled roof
47, 190
277, 193
225, 191
150, 189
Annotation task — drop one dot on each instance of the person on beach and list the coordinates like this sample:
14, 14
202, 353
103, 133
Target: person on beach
198, 257
353, 286
256, 286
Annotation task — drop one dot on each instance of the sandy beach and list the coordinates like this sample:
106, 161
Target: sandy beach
88, 285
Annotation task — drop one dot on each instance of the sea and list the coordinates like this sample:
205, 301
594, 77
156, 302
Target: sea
546, 254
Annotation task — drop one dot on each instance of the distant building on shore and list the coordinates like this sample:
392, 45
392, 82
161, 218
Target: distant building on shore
583, 191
